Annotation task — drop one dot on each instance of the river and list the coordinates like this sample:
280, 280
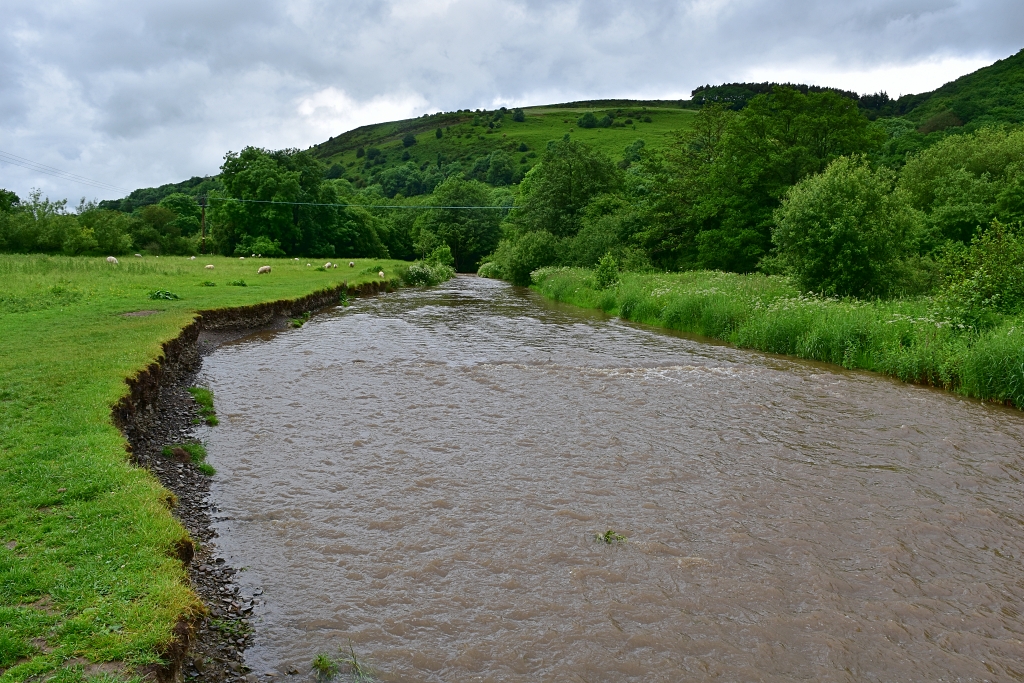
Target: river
421, 475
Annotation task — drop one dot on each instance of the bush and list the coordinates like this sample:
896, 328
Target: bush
490, 269
426, 274
845, 231
518, 115
440, 256
259, 245
986, 276
517, 257
607, 273
409, 140
588, 120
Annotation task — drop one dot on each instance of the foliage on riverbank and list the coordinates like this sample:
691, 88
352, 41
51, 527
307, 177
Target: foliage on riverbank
87, 543
909, 339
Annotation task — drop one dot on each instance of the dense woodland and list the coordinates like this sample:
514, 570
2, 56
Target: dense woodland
825, 186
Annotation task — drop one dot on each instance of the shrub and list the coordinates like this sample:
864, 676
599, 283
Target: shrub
518, 115
259, 245
588, 120
845, 231
409, 140
440, 256
519, 256
490, 269
426, 274
607, 273
988, 275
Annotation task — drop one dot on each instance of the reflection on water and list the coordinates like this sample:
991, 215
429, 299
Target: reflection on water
423, 473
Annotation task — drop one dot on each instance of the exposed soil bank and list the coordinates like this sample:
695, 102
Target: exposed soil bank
157, 411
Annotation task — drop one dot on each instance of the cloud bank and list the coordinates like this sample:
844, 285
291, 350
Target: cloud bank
138, 94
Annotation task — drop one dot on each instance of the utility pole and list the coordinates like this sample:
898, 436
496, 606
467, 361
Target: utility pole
202, 223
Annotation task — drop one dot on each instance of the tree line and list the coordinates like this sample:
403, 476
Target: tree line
798, 183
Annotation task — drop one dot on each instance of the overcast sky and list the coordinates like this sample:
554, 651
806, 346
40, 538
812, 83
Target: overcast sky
134, 94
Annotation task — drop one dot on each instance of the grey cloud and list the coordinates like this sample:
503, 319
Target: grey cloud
155, 92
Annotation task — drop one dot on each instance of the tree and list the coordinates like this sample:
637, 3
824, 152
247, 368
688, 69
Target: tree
500, 170
438, 133
470, 233
518, 115
556, 191
8, 200
588, 120
846, 230
409, 140
286, 200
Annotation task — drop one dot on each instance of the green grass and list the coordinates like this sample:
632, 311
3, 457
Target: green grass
902, 338
464, 142
204, 397
86, 539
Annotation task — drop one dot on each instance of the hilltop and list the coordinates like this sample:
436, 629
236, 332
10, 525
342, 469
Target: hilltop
469, 138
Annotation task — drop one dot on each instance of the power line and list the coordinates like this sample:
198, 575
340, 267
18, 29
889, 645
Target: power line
356, 206
15, 160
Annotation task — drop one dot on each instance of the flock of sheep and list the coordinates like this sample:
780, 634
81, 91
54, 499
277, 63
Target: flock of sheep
262, 269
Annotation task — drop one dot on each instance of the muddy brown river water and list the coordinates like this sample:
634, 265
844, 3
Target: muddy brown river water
422, 475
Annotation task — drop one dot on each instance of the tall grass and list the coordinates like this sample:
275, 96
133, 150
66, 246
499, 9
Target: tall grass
904, 338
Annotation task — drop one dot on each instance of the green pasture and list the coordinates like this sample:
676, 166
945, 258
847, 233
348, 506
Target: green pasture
465, 142
87, 572
903, 338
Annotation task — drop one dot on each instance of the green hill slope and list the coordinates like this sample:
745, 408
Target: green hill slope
470, 137
992, 94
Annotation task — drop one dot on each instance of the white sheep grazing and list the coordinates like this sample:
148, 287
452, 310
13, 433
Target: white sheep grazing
111, 259
327, 265
241, 258
296, 259
263, 269
381, 273
335, 265
209, 267
193, 258
351, 264
139, 255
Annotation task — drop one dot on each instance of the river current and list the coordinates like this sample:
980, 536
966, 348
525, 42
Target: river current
421, 475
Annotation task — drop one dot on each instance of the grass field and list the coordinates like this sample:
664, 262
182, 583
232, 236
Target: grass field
464, 142
86, 572
903, 338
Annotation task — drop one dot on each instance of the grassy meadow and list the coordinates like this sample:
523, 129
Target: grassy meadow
903, 338
86, 539
463, 141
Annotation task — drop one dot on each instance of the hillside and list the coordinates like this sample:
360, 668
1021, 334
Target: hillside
470, 137
993, 94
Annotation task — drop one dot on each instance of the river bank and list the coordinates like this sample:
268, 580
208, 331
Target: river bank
902, 338
93, 546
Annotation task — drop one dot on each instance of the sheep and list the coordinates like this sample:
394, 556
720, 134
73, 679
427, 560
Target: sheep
335, 265
209, 267
381, 273
111, 259
351, 264
193, 258
139, 255
241, 258
263, 269
327, 265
